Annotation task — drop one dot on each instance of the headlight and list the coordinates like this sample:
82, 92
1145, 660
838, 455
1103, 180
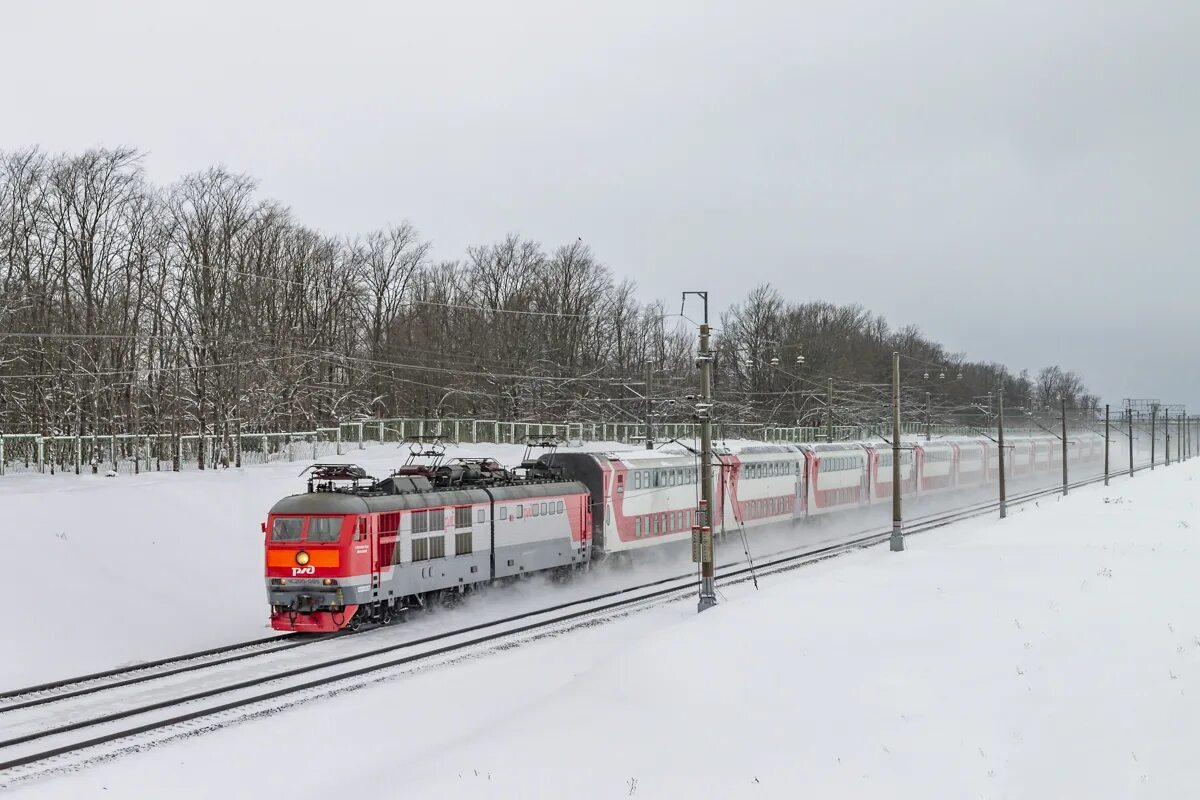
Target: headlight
329, 582
302, 558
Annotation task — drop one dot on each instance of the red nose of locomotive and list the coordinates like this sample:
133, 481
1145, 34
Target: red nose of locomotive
306, 560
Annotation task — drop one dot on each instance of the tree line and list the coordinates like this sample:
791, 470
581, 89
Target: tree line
128, 307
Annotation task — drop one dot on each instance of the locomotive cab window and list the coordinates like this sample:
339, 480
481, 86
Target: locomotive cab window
324, 529
287, 529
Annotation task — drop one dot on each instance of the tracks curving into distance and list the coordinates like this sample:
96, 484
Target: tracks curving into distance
41, 747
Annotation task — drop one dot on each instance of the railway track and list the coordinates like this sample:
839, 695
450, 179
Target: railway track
67, 688
99, 720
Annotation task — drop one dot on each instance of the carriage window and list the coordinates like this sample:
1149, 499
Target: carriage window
534, 508
637, 526
437, 547
462, 517
481, 516
503, 512
520, 511
561, 506
544, 511
462, 543
420, 549
287, 529
324, 529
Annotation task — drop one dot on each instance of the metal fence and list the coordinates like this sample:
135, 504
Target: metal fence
161, 452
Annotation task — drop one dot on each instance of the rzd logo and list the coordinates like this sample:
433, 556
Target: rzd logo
298, 571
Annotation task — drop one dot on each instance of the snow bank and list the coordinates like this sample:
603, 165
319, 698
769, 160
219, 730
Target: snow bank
1055, 654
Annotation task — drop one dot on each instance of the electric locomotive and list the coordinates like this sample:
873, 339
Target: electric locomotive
354, 550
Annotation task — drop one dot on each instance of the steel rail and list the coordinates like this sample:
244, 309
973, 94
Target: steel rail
55, 697
43, 687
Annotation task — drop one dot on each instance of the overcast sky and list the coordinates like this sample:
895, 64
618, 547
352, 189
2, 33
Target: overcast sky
1020, 179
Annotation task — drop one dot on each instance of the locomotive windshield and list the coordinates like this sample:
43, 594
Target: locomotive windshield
320, 529
324, 529
287, 529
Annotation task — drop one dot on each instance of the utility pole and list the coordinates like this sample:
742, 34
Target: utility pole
1106, 444
1153, 419
928, 416
897, 541
1179, 437
1000, 443
1063, 401
702, 537
1129, 412
829, 413
649, 407
1166, 437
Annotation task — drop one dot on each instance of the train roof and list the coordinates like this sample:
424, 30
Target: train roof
349, 503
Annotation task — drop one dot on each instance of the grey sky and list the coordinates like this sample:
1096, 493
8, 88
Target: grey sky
1020, 179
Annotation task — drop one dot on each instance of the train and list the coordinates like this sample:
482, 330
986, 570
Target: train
354, 550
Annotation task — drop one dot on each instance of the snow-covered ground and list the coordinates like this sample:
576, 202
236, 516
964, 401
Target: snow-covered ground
1055, 654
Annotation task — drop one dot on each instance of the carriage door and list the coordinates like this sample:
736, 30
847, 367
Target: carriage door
798, 499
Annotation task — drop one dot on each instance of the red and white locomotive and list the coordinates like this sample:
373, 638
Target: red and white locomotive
353, 549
